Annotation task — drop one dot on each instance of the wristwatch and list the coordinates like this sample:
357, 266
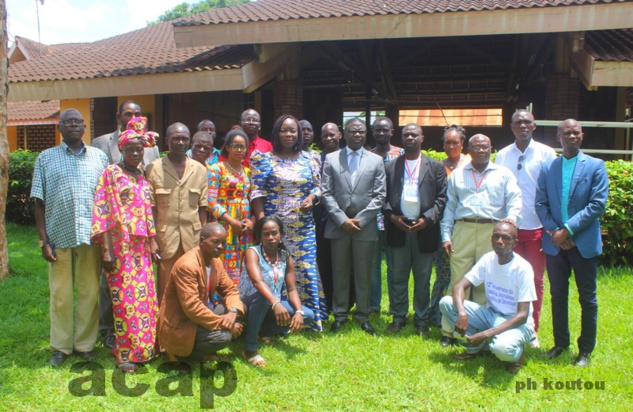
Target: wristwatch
233, 310
300, 312
43, 243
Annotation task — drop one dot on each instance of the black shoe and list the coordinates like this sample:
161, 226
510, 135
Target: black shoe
422, 330
336, 326
395, 326
57, 359
555, 352
583, 359
366, 326
447, 341
108, 342
88, 356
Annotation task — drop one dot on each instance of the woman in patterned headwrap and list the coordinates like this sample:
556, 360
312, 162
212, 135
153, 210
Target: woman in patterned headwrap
123, 225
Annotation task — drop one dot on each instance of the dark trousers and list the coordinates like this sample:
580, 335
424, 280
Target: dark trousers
106, 319
208, 342
559, 271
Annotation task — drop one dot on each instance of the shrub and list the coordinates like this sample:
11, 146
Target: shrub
617, 221
20, 207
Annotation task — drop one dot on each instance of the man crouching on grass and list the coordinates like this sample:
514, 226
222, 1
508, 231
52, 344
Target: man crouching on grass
505, 324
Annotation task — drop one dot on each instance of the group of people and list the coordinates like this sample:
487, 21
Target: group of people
268, 238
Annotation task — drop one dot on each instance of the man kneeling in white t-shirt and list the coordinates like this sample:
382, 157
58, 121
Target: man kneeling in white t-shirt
505, 324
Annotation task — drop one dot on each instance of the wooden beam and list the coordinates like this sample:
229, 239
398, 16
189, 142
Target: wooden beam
188, 82
616, 15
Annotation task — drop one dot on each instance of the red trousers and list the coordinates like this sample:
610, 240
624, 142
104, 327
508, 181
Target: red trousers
530, 249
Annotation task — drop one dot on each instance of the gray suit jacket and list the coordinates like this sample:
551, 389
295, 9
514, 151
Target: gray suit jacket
109, 143
363, 201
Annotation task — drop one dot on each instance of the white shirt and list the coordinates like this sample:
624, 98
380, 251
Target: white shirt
535, 158
505, 285
410, 196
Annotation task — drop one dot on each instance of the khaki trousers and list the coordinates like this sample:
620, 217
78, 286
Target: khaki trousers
164, 270
470, 241
81, 266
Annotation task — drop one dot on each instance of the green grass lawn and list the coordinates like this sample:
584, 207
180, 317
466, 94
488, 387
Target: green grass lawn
349, 371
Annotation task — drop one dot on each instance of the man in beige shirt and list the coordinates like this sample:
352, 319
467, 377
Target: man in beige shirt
179, 201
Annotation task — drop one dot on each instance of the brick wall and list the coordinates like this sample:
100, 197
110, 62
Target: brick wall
38, 138
288, 98
103, 118
562, 96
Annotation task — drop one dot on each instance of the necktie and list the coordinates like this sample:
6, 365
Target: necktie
353, 166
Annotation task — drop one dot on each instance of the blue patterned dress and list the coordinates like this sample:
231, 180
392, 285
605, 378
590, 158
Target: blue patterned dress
285, 184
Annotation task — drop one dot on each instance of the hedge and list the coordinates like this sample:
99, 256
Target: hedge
617, 222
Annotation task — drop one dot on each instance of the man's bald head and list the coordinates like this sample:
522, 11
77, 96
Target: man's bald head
211, 227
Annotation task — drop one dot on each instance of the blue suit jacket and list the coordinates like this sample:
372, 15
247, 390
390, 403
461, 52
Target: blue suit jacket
587, 201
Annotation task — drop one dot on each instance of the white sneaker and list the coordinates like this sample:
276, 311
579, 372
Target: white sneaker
534, 343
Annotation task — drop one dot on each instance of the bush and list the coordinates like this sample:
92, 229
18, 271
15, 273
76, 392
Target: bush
617, 221
20, 207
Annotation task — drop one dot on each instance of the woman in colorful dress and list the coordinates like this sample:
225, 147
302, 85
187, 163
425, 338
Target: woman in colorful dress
287, 183
229, 190
122, 223
453, 140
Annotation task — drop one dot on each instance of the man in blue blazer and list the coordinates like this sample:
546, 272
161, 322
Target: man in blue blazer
571, 196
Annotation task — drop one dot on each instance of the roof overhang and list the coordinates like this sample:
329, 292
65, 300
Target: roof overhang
33, 122
594, 73
512, 21
247, 78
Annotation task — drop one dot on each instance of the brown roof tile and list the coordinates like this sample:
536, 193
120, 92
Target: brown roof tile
270, 10
32, 110
610, 45
145, 51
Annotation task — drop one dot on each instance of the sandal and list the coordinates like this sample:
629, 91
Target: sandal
256, 360
268, 340
127, 367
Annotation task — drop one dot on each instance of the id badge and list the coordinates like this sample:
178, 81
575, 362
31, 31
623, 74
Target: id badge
410, 194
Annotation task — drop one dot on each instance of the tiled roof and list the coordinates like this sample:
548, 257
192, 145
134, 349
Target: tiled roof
610, 45
32, 110
31, 48
149, 50
270, 10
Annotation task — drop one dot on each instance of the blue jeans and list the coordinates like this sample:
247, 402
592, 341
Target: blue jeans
375, 294
507, 346
261, 319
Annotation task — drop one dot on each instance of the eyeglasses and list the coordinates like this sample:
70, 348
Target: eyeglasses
237, 147
520, 164
479, 148
69, 122
251, 120
356, 131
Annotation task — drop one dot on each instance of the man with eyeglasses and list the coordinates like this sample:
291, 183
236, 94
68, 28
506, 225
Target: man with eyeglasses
526, 158
480, 195
109, 143
64, 182
178, 192
251, 123
354, 190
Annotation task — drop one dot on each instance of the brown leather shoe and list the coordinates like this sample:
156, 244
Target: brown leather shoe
395, 326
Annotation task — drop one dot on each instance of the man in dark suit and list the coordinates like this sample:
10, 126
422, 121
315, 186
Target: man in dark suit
354, 191
416, 196
571, 196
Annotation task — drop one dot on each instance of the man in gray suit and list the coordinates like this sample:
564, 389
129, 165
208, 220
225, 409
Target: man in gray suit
109, 143
354, 190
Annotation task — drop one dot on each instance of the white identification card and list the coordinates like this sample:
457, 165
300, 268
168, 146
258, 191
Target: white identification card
411, 194
477, 200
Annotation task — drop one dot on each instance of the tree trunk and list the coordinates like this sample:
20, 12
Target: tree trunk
4, 142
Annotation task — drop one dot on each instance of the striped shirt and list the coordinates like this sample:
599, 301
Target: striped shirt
66, 182
497, 197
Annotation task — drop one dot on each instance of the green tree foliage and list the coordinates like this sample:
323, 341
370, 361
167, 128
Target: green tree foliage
186, 9
20, 208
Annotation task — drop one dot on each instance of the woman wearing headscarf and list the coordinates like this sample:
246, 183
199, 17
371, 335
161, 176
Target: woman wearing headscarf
122, 223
